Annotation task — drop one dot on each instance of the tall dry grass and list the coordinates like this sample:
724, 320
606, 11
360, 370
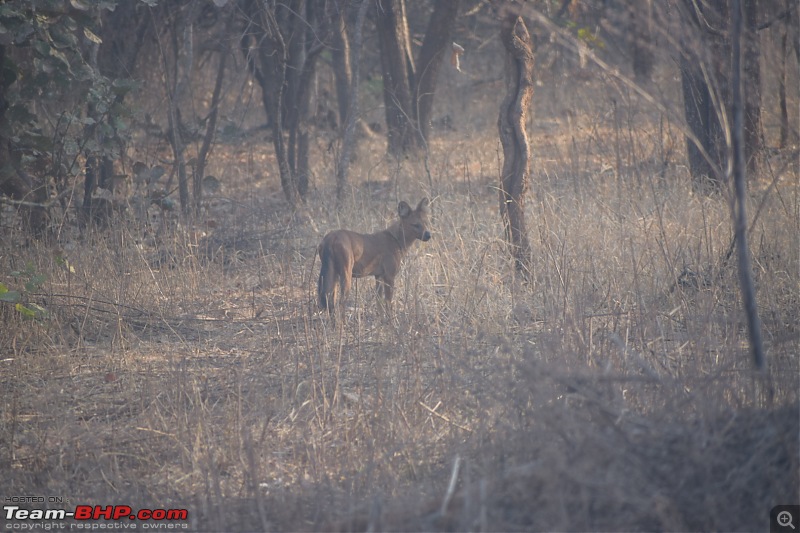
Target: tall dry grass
612, 390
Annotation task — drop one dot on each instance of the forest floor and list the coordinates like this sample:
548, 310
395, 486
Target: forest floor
186, 365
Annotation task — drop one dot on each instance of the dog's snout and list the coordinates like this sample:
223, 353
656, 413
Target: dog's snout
426, 236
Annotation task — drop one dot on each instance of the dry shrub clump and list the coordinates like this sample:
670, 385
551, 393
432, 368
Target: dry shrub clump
187, 365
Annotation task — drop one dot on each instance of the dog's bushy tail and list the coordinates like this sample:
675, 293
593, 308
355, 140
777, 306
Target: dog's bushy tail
326, 285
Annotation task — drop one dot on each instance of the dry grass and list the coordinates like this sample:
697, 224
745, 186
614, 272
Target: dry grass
184, 366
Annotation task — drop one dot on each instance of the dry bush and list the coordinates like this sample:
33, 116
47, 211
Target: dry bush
188, 366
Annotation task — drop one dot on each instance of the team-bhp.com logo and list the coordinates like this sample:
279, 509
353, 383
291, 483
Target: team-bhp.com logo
150, 518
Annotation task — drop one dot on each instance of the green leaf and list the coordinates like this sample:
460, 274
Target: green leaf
38, 309
83, 72
110, 5
42, 47
39, 142
60, 57
79, 5
64, 262
62, 37
7, 11
10, 297
7, 295
24, 311
124, 86
92, 36
23, 33
20, 114
35, 282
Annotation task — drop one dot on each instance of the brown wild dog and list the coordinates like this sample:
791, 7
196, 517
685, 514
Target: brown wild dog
346, 255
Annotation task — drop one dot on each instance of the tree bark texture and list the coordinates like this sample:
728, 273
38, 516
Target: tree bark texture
438, 39
340, 58
282, 49
211, 124
641, 41
751, 71
514, 137
349, 126
738, 139
123, 34
782, 80
703, 120
271, 75
181, 33
14, 182
397, 69
706, 80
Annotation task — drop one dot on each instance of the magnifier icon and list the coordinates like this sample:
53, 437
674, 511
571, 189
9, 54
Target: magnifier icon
785, 519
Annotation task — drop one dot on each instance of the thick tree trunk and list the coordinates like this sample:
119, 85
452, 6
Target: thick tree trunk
287, 43
301, 99
340, 57
702, 119
123, 32
705, 106
271, 75
514, 137
294, 24
349, 126
437, 42
15, 183
398, 75
640, 35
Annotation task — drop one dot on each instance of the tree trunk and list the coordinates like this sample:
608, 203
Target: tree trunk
211, 124
438, 38
398, 75
286, 42
294, 25
751, 70
278, 74
340, 57
784, 111
182, 61
702, 120
640, 35
314, 27
123, 32
349, 126
15, 183
514, 137
272, 66
702, 110
739, 148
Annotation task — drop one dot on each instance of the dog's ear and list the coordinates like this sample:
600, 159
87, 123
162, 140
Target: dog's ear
423, 205
403, 209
